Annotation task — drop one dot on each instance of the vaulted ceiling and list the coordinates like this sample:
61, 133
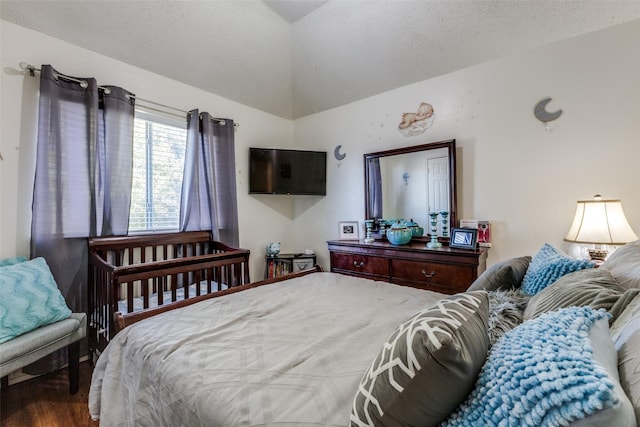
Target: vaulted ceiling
292, 58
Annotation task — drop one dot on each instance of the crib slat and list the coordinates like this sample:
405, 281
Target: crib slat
209, 279
185, 284
218, 276
144, 284
160, 285
174, 287
129, 297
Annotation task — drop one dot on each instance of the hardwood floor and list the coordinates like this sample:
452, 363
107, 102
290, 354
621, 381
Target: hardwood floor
45, 401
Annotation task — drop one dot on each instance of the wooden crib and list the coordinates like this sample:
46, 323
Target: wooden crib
133, 273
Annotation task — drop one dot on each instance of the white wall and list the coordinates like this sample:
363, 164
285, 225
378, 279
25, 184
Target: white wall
510, 169
261, 220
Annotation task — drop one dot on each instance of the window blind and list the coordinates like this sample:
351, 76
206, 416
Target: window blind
158, 162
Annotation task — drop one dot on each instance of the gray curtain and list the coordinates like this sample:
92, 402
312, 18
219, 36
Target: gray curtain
82, 181
209, 199
375, 189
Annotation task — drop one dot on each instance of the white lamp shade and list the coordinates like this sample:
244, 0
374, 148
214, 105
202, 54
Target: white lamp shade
600, 222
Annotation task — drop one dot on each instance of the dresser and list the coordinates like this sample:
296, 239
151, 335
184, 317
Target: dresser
444, 270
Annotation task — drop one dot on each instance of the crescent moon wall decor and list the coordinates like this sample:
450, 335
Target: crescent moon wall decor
337, 154
541, 113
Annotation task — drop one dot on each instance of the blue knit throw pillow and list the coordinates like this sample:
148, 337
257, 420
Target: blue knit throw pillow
547, 266
542, 373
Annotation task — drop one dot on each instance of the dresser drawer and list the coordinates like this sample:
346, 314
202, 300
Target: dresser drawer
445, 270
364, 264
445, 278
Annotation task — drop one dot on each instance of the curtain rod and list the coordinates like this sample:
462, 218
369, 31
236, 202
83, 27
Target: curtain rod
83, 84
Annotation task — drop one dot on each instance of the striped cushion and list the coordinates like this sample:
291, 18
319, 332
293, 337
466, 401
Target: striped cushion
631, 310
592, 287
624, 265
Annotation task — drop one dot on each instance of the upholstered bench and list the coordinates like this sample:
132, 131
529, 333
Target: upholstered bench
35, 319
34, 345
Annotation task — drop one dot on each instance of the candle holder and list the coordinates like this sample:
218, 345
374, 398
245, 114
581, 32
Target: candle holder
368, 224
434, 231
382, 224
445, 221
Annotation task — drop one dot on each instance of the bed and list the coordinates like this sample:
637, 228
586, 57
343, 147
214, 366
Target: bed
131, 273
535, 341
285, 352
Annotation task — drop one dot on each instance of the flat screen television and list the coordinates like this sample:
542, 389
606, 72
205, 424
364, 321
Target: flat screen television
278, 171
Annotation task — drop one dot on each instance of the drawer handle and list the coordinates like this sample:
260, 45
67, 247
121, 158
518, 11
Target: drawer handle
428, 276
358, 264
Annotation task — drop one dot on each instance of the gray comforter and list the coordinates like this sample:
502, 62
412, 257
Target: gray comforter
291, 353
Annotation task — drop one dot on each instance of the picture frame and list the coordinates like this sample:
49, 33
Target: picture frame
484, 230
348, 230
464, 238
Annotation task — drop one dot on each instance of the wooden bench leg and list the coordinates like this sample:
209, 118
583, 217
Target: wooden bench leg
73, 354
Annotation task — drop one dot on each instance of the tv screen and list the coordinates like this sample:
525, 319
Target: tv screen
276, 171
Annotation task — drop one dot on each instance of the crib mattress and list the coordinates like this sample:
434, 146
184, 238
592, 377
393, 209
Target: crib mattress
138, 302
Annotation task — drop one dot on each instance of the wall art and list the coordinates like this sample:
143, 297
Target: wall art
413, 124
541, 113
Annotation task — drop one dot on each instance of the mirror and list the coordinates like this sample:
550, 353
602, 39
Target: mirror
410, 182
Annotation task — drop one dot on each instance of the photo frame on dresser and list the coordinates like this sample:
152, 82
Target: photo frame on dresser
348, 230
464, 238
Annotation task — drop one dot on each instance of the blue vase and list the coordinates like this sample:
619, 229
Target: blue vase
399, 234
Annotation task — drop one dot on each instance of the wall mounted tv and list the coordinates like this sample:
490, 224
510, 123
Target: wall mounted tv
276, 171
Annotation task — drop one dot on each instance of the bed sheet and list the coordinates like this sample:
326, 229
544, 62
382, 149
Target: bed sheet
290, 353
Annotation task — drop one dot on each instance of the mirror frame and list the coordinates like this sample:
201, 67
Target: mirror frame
450, 145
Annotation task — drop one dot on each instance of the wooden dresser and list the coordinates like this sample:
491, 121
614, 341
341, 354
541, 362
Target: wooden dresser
444, 270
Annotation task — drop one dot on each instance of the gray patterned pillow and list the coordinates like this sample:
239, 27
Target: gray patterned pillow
428, 366
505, 274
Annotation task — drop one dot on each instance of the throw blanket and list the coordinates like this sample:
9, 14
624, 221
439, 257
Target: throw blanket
290, 353
542, 373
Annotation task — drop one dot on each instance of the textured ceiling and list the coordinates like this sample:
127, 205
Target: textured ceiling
292, 58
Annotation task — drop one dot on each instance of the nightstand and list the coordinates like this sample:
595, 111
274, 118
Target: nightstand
282, 264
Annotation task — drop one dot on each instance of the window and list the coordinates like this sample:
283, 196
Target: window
158, 163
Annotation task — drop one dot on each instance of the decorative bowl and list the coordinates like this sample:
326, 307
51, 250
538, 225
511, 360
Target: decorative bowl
416, 230
399, 234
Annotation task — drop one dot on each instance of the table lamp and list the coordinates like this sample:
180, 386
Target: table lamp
600, 222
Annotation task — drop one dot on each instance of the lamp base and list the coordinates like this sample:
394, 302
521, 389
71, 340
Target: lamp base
598, 254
